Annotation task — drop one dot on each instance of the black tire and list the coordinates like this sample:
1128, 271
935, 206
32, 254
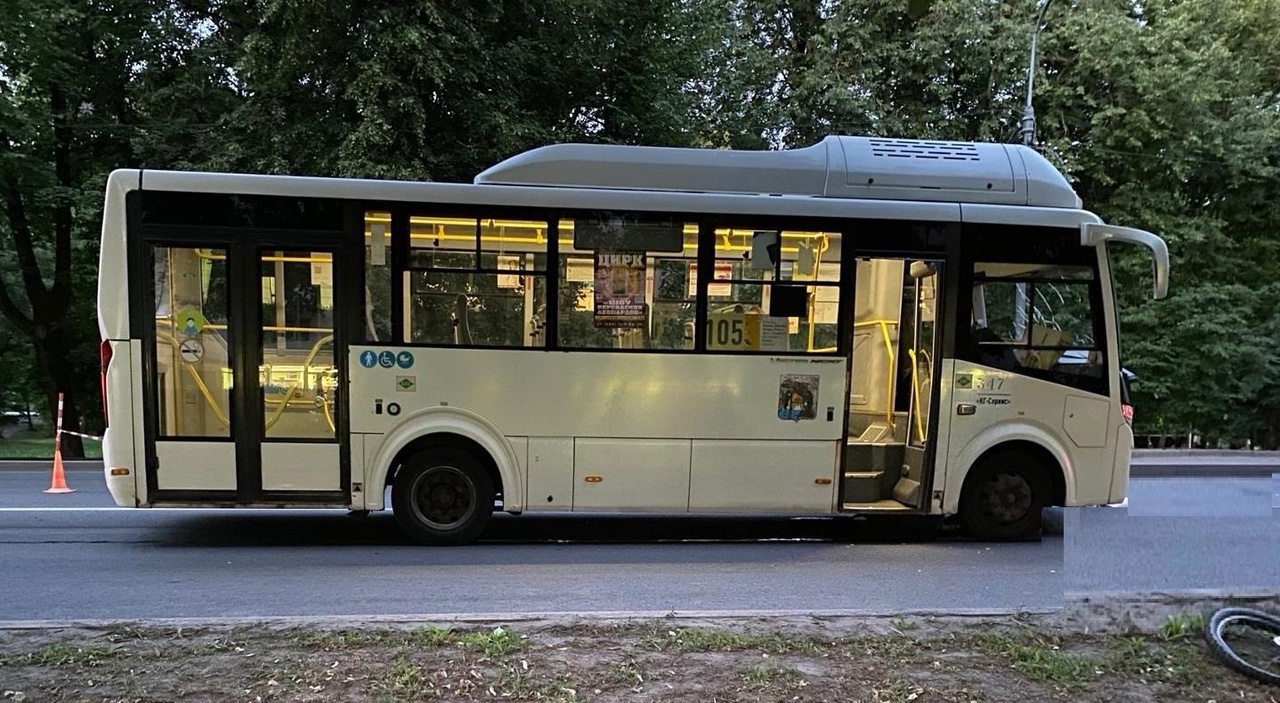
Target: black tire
1225, 617
1004, 497
443, 496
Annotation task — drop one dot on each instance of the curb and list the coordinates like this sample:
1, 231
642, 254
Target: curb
1173, 470
551, 617
1082, 612
1260, 454
1103, 612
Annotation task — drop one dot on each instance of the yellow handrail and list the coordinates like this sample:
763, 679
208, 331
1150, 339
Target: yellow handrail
276, 329
305, 368
915, 397
327, 416
315, 257
823, 245
204, 390
888, 348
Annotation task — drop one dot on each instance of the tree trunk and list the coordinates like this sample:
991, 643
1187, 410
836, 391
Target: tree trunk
55, 367
47, 327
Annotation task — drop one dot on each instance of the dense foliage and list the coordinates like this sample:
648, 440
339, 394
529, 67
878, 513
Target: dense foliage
1166, 115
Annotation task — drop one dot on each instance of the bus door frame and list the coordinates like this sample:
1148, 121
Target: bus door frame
244, 246
908, 240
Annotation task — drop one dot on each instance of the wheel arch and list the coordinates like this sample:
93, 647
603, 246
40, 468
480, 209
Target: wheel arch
1039, 454
1021, 437
455, 426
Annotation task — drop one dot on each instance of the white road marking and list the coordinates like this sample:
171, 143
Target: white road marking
224, 511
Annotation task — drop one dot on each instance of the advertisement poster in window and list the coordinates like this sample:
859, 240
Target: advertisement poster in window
620, 289
723, 272
509, 263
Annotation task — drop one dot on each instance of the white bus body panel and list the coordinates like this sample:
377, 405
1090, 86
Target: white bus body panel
625, 475
610, 405
291, 466
1077, 428
1120, 471
113, 262
121, 441
427, 193
196, 466
777, 476
381, 447
550, 484
121, 448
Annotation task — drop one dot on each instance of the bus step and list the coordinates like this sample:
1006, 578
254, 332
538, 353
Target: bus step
862, 486
879, 506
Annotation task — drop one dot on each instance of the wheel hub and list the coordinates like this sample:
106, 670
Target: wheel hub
444, 497
1007, 497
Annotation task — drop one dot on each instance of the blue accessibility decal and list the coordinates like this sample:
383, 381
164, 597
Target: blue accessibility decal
368, 358
386, 359
404, 359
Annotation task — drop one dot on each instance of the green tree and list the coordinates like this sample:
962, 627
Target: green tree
21, 389
1164, 114
84, 88
441, 90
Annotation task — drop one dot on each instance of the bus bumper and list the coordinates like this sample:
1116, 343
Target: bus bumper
1120, 469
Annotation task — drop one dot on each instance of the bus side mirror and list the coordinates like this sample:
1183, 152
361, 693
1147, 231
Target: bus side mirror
1093, 234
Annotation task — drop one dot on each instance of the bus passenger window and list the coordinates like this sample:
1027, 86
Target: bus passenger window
476, 282
377, 277
740, 293
627, 298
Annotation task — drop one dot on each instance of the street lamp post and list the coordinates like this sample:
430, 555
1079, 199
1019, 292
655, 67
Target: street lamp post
1028, 131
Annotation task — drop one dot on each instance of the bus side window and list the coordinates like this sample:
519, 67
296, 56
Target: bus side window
617, 294
757, 268
377, 277
476, 281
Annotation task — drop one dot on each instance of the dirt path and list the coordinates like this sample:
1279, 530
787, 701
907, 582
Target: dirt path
919, 659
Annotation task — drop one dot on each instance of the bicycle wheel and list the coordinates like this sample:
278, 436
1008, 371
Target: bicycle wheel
1248, 641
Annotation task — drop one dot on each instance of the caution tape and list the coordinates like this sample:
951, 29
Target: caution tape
59, 432
78, 434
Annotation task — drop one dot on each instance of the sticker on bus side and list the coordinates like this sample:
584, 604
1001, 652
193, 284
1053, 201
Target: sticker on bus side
798, 397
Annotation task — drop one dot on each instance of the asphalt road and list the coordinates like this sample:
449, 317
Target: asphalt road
74, 557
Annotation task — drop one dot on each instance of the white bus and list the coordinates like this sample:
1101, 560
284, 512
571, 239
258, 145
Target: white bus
860, 326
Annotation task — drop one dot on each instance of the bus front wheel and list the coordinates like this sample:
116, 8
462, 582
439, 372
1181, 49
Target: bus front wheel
1004, 497
443, 496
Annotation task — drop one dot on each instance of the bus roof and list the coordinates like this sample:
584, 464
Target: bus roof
837, 167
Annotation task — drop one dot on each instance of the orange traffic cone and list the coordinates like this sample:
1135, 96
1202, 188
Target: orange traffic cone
59, 477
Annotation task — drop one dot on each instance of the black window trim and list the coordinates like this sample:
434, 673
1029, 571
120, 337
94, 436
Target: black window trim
850, 229
1006, 244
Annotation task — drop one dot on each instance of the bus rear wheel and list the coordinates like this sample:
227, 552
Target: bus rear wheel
443, 496
1004, 498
